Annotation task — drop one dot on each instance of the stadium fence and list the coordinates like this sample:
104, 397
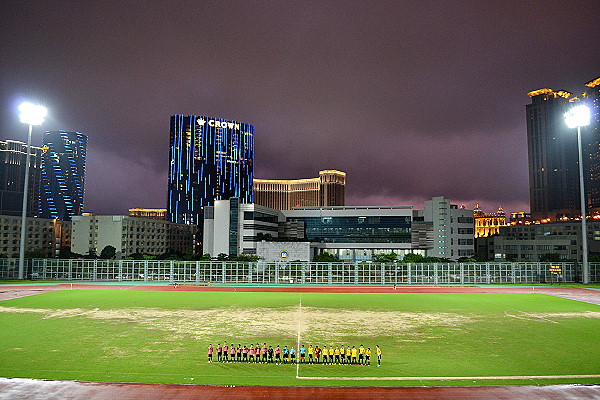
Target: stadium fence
335, 273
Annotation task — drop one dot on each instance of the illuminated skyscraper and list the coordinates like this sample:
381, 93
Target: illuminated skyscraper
592, 98
552, 149
210, 159
63, 174
553, 154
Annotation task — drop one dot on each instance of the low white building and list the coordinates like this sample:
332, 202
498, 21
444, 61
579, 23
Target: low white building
231, 227
129, 235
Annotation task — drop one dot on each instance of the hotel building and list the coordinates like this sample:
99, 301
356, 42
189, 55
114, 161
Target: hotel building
210, 159
149, 213
326, 190
63, 174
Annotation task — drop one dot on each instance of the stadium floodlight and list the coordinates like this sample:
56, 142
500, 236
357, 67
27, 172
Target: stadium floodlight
576, 118
30, 114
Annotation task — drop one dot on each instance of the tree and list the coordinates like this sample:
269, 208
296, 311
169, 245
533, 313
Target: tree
550, 257
222, 257
37, 253
385, 258
245, 257
325, 257
91, 254
108, 252
413, 258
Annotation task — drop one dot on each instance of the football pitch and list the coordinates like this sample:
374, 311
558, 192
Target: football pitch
426, 338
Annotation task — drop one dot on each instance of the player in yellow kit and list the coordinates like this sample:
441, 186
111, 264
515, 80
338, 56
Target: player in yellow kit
368, 356
378, 352
311, 351
354, 353
336, 352
361, 355
325, 353
348, 355
343, 355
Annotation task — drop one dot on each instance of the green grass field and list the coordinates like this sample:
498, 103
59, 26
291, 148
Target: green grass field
161, 336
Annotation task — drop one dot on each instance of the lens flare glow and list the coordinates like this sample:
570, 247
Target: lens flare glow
32, 114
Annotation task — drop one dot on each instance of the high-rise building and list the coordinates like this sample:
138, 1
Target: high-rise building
553, 153
326, 190
63, 174
592, 98
12, 178
552, 149
210, 159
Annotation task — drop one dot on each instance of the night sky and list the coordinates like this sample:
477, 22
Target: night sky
412, 99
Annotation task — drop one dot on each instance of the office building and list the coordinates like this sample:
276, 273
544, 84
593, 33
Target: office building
129, 235
232, 227
326, 190
12, 177
349, 233
210, 159
531, 242
149, 213
553, 153
63, 174
453, 229
488, 224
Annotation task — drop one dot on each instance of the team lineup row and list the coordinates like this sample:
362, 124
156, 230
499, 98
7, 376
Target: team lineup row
312, 355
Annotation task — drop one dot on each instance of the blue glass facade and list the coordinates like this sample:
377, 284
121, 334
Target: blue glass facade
373, 229
210, 159
63, 174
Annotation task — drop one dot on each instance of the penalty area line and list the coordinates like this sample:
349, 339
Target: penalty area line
441, 378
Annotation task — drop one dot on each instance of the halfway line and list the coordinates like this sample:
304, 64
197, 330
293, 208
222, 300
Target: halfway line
298, 345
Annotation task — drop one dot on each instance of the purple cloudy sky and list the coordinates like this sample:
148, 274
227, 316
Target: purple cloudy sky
412, 99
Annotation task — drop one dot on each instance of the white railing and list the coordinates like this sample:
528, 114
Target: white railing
217, 272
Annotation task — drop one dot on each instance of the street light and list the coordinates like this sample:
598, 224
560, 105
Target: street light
576, 118
30, 114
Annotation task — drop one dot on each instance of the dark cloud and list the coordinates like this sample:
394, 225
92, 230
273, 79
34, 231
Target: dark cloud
412, 99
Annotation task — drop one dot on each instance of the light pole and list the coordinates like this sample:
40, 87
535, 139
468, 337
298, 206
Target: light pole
576, 118
30, 114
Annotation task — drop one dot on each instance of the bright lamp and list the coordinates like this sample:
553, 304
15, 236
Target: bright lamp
578, 116
32, 114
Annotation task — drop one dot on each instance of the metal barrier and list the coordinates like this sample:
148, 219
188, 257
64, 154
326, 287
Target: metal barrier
217, 272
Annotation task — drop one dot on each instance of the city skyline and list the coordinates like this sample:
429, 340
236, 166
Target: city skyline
412, 100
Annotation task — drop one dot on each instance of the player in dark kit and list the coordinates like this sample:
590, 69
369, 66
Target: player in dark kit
219, 352
270, 353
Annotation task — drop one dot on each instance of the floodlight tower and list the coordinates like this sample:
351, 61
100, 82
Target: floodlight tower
576, 118
30, 114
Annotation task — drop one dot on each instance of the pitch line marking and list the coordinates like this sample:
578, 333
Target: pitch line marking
442, 378
298, 345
